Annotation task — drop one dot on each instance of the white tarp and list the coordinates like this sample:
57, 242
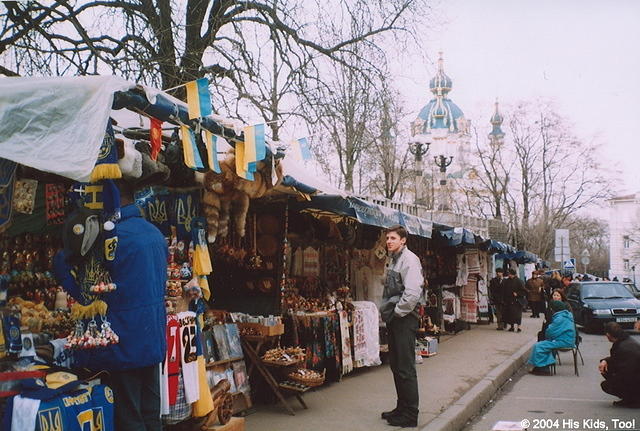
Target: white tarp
56, 124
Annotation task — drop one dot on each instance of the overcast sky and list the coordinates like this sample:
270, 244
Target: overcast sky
583, 54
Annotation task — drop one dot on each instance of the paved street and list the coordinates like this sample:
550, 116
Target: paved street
356, 402
563, 401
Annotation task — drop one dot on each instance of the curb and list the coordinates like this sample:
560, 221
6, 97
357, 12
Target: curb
457, 414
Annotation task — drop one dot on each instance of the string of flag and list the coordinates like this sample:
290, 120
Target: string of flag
251, 151
300, 148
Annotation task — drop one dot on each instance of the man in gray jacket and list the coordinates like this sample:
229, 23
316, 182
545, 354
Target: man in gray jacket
403, 284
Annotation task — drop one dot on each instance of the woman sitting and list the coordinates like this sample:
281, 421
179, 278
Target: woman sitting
560, 334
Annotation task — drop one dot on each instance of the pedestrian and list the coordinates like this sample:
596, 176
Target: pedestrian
552, 283
535, 294
496, 297
137, 314
403, 283
560, 334
621, 369
515, 296
566, 281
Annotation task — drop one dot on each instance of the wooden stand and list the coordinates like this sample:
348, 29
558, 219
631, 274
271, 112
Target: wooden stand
235, 424
253, 345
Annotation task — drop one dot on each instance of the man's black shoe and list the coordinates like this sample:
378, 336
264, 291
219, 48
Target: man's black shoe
387, 415
399, 421
627, 403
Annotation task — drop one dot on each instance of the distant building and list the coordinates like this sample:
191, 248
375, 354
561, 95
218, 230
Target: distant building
624, 236
443, 124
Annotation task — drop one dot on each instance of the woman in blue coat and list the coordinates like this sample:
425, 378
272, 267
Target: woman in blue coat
560, 334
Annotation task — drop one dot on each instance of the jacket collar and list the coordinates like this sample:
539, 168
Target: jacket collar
395, 256
129, 211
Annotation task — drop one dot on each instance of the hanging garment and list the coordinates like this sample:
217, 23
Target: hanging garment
370, 332
172, 360
473, 261
189, 357
311, 266
347, 360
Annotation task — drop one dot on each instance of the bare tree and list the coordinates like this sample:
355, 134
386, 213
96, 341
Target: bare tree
493, 175
166, 42
558, 175
389, 158
347, 109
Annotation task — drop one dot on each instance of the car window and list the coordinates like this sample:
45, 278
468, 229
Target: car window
574, 291
605, 291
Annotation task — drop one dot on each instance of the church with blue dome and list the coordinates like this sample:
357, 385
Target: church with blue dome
441, 113
442, 124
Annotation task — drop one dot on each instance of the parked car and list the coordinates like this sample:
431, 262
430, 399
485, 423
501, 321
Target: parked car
631, 287
595, 303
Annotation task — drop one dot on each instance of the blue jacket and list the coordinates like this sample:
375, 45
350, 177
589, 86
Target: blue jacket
136, 308
560, 334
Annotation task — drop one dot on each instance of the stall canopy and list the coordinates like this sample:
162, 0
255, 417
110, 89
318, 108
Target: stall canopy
519, 256
367, 213
493, 246
454, 236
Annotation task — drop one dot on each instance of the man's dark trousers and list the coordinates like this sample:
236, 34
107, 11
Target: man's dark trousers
402, 359
137, 399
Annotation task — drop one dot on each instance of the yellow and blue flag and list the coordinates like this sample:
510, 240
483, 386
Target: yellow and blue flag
300, 148
198, 98
255, 148
241, 167
190, 149
211, 142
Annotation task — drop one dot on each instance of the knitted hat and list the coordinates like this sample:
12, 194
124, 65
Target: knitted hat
558, 306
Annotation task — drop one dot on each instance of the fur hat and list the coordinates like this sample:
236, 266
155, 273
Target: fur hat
153, 172
131, 162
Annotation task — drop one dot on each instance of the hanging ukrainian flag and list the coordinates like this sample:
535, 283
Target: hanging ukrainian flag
303, 146
241, 167
190, 149
254, 146
198, 98
211, 142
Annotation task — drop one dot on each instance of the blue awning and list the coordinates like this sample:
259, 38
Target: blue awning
456, 236
520, 256
493, 246
367, 213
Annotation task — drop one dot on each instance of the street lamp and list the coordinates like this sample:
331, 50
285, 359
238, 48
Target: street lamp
443, 162
419, 149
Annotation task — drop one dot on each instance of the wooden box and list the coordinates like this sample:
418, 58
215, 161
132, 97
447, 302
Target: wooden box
247, 328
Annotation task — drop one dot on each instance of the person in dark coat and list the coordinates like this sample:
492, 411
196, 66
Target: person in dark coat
621, 370
496, 297
136, 311
515, 295
535, 294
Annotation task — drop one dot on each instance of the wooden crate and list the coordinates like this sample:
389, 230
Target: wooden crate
259, 329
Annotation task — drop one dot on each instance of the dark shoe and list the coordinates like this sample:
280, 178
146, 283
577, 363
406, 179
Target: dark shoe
541, 371
626, 403
519, 330
400, 421
499, 329
511, 329
387, 415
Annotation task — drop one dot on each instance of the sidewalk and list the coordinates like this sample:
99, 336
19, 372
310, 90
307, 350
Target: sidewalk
454, 385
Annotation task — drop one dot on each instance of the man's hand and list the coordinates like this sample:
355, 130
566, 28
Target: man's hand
603, 367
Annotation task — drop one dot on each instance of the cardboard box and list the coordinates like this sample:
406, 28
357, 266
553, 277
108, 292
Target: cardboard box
259, 329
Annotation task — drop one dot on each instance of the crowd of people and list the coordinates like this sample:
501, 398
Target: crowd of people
509, 296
